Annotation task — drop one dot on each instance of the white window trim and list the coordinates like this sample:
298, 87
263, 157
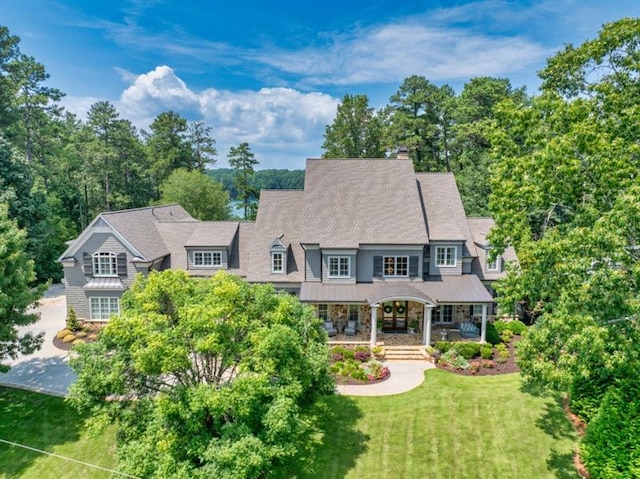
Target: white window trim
95, 264
476, 310
325, 312
493, 265
100, 299
339, 259
395, 267
212, 255
446, 249
273, 262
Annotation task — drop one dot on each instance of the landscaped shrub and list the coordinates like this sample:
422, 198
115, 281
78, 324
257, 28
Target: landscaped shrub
585, 394
475, 366
72, 322
453, 360
517, 327
503, 353
377, 351
78, 341
610, 447
363, 355
63, 333
467, 349
486, 351
506, 335
69, 338
443, 346
81, 334
492, 335
374, 370
345, 352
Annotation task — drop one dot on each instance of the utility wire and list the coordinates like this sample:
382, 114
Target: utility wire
69, 459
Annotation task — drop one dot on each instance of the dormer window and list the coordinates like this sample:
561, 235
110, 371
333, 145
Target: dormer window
339, 267
277, 262
105, 264
446, 256
207, 258
493, 265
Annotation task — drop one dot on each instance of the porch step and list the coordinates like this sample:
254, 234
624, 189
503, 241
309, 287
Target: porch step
405, 353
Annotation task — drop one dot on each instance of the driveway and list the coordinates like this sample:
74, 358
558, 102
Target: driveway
46, 370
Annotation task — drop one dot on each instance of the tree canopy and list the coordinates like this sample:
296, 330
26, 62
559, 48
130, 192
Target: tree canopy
203, 198
566, 194
16, 296
242, 161
206, 378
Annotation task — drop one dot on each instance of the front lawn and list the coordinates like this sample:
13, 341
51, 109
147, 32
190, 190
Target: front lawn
49, 424
452, 426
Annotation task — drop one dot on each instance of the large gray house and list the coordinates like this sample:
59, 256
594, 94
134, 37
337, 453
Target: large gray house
368, 240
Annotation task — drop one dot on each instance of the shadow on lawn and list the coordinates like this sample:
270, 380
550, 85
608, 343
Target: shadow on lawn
35, 420
554, 422
341, 443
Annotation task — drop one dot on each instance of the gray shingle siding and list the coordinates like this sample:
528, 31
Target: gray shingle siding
435, 270
77, 297
313, 269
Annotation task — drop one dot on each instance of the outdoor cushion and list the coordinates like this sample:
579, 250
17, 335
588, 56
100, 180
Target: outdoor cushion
351, 328
330, 328
469, 330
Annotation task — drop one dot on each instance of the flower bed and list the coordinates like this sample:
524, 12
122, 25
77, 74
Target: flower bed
354, 365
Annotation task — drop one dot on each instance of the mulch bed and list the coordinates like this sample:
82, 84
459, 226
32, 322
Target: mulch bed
500, 368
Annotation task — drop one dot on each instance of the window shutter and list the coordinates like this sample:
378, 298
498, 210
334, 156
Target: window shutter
413, 266
122, 264
87, 264
377, 265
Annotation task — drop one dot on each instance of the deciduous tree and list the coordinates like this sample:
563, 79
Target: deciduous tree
206, 378
202, 197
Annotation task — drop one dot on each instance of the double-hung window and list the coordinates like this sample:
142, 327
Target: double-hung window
323, 312
339, 267
103, 308
277, 262
105, 264
396, 266
446, 256
207, 258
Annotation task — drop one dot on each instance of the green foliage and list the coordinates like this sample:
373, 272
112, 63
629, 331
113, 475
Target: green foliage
243, 161
467, 349
356, 131
16, 295
610, 447
443, 346
486, 351
69, 338
452, 359
233, 368
203, 198
506, 335
269, 179
492, 335
72, 321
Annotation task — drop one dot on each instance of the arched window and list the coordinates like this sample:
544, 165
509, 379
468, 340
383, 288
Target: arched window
105, 264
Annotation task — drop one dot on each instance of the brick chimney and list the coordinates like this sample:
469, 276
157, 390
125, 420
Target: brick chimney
403, 153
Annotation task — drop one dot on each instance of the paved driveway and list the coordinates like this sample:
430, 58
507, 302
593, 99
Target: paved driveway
45, 370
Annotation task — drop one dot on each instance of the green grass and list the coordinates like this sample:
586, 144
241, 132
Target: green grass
451, 426
48, 423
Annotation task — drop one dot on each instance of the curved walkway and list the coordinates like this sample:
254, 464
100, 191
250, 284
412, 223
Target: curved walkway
405, 376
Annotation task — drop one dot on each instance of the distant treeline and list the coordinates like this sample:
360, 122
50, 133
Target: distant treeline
263, 179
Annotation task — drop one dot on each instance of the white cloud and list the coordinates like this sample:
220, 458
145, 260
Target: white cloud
283, 126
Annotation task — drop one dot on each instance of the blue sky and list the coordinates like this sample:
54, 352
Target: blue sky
272, 73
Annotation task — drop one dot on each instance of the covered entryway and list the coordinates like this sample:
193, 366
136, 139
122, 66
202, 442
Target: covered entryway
395, 316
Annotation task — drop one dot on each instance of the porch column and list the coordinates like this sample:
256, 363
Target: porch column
426, 325
483, 328
374, 325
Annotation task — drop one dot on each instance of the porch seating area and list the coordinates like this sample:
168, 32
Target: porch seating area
438, 333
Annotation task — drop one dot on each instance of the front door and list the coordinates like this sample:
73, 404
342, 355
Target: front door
395, 317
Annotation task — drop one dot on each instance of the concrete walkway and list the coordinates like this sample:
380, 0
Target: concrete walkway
405, 376
46, 370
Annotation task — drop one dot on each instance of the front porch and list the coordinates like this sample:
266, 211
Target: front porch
438, 333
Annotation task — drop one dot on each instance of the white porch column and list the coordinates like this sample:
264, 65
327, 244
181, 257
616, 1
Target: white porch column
483, 328
374, 325
426, 325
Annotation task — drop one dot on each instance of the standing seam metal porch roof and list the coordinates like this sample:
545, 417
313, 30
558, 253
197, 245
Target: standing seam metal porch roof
441, 290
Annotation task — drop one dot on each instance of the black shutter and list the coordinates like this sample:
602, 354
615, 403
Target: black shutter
377, 266
87, 264
413, 266
122, 264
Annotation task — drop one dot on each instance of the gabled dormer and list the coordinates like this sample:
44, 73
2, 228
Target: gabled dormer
278, 251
